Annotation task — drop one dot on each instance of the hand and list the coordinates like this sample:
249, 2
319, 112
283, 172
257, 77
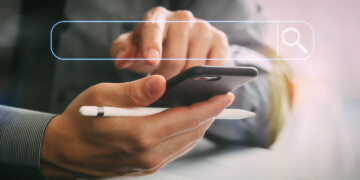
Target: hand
75, 146
155, 40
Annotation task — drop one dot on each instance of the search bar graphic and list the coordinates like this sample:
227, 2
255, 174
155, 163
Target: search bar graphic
90, 40
296, 42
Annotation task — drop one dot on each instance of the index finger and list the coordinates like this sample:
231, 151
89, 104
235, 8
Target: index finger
182, 119
151, 34
219, 50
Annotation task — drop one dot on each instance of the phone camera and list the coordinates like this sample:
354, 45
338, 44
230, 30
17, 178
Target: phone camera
207, 78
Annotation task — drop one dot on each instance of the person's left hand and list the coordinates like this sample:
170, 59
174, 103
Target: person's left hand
192, 39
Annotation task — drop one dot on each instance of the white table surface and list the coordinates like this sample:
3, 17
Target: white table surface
206, 161
314, 145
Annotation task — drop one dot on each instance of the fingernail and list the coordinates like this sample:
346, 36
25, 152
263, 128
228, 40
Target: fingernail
153, 55
230, 99
153, 62
153, 85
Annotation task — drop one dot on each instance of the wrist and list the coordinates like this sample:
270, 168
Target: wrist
51, 149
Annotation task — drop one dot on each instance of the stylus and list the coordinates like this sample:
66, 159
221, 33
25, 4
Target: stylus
115, 111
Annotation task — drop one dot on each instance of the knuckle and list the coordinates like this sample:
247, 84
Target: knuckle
154, 25
157, 9
201, 130
132, 94
149, 163
183, 15
143, 142
199, 133
152, 12
203, 27
70, 155
221, 36
156, 30
96, 92
218, 110
194, 120
120, 43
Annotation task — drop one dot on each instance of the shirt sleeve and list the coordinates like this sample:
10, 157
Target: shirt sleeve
21, 133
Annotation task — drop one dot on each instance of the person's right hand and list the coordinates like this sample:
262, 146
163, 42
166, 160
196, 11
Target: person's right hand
185, 38
75, 146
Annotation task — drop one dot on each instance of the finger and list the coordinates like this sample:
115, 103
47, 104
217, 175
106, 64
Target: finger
123, 64
217, 56
200, 41
176, 45
169, 68
137, 93
219, 50
143, 67
122, 48
140, 66
182, 119
177, 38
151, 34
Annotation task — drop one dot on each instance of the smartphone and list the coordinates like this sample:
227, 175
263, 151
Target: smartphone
199, 83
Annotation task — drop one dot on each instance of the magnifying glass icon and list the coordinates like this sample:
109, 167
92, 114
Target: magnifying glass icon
295, 43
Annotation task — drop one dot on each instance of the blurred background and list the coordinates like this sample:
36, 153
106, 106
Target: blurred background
324, 131
322, 135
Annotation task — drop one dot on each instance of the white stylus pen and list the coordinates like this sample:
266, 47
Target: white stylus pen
115, 111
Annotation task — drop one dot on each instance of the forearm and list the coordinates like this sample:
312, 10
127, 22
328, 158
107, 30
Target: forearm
20, 143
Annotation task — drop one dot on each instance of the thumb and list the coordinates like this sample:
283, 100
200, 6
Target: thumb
141, 92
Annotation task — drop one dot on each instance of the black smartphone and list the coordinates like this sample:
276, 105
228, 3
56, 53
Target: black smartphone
199, 83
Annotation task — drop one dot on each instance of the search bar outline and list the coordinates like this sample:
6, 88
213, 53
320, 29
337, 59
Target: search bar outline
211, 21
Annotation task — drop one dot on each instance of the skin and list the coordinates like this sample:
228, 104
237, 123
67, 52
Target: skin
156, 40
75, 146
101, 147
